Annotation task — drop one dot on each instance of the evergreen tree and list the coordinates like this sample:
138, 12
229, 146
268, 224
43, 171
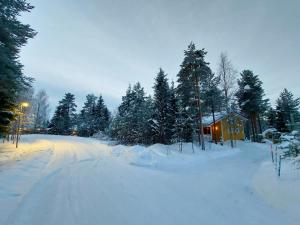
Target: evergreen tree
13, 35
173, 111
194, 70
64, 118
86, 119
102, 115
120, 123
160, 119
287, 111
131, 124
250, 99
271, 117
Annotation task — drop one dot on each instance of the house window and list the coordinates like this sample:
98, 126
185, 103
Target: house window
231, 130
206, 130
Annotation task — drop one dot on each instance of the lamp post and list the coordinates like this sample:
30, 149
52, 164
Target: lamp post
22, 105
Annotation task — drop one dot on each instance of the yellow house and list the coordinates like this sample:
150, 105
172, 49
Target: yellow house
225, 126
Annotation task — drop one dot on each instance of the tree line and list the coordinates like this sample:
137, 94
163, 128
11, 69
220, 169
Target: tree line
173, 114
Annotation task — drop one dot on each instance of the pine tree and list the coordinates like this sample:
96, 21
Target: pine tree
64, 119
13, 35
287, 111
173, 111
250, 99
194, 70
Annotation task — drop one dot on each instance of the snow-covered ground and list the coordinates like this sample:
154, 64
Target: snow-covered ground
70, 180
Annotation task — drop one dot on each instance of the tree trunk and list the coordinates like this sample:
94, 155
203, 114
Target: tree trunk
255, 129
199, 113
259, 124
252, 129
214, 123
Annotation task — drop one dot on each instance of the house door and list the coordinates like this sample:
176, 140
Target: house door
216, 131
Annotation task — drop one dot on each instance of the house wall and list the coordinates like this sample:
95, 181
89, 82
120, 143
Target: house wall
238, 129
216, 131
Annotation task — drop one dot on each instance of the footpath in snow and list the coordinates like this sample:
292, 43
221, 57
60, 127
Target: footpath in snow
71, 180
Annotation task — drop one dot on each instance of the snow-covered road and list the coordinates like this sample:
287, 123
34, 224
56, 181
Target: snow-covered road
69, 180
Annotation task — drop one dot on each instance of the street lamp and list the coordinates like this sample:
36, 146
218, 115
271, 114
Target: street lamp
22, 105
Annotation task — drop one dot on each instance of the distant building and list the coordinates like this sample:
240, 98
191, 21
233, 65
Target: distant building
220, 131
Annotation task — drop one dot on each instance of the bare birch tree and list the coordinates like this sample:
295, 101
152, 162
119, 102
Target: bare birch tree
227, 75
40, 110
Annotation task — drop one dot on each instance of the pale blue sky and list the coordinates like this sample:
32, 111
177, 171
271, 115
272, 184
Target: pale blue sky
100, 46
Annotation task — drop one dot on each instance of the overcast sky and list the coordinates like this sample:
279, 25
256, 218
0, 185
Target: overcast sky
100, 46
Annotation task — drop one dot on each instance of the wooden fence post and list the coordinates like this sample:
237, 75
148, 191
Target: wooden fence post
272, 155
279, 166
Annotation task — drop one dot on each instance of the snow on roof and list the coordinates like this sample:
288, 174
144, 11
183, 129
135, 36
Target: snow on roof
208, 120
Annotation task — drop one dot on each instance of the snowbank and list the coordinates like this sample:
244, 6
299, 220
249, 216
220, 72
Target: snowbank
72, 180
282, 193
168, 157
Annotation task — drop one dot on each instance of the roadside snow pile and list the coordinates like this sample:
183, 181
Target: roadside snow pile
168, 157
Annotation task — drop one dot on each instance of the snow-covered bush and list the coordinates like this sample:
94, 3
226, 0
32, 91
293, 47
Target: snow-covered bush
268, 134
294, 144
272, 134
101, 136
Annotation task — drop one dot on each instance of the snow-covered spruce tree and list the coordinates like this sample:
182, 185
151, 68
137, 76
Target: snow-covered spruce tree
102, 115
287, 111
119, 125
250, 96
13, 35
86, 122
131, 124
161, 121
64, 118
193, 71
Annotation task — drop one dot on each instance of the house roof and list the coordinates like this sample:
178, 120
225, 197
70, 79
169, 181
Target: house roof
208, 120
